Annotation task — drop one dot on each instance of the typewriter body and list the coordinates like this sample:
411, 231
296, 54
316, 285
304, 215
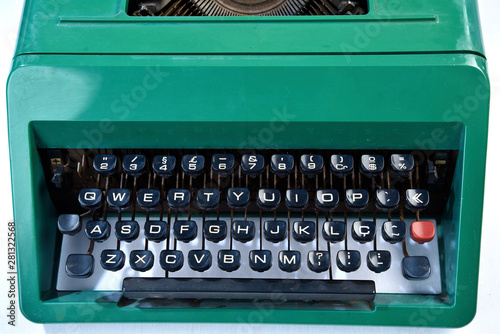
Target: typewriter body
314, 161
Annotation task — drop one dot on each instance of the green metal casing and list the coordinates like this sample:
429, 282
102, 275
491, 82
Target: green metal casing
408, 75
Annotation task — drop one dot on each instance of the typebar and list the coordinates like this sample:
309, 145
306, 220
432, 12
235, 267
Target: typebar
227, 288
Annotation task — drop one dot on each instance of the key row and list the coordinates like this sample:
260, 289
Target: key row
229, 260
244, 231
239, 198
253, 164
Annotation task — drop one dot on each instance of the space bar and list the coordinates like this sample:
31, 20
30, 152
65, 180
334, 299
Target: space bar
228, 288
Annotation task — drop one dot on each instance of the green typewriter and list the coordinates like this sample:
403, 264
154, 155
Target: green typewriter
279, 161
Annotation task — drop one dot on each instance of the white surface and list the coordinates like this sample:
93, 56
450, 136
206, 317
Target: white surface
487, 319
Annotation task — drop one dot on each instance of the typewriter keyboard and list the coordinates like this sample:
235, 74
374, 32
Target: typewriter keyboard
246, 224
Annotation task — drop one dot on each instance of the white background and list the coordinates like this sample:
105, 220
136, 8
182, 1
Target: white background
487, 319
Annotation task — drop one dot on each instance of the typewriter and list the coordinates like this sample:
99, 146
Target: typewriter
276, 161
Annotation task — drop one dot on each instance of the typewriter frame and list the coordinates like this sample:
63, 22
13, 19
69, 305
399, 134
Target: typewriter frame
44, 111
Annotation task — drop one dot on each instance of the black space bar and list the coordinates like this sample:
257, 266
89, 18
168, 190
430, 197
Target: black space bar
228, 288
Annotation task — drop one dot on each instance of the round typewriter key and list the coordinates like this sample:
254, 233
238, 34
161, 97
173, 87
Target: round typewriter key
199, 260
238, 198
275, 230
422, 231
260, 260
282, 164
311, 164
69, 224
126, 230
105, 164
252, 164
164, 165
229, 259
341, 164
318, 261
348, 260
289, 261
372, 165
327, 199
223, 164
394, 231
387, 199
192, 164
112, 259
378, 261
185, 230
141, 260
134, 164
171, 260
80, 265
97, 230
118, 199
268, 199
402, 164
90, 198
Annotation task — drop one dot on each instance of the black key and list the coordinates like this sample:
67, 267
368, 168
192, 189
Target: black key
318, 261
327, 199
192, 164
164, 165
417, 199
394, 231
268, 199
148, 199
156, 230
126, 230
334, 231
223, 164
118, 199
311, 164
387, 199
215, 230
229, 259
241, 288
243, 230
112, 259
97, 230
185, 230
141, 260
199, 260
304, 231
378, 261
296, 199
178, 199
80, 265
260, 260
69, 224
363, 231
275, 230
282, 164
372, 164
289, 261
356, 199
208, 198
134, 164
402, 164
171, 260
348, 260
238, 198
90, 198
416, 267
105, 164
252, 164
341, 164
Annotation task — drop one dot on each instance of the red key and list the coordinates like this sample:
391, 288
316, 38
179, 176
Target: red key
422, 231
